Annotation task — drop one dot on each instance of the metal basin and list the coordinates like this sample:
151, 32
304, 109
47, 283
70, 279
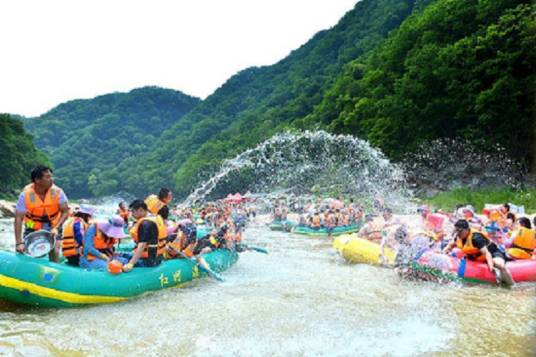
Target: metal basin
39, 243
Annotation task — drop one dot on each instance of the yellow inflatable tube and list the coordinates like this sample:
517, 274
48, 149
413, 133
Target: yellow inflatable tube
359, 250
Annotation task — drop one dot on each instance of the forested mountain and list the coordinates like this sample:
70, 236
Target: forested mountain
87, 139
463, 69
395, 72
454, 68
18, 156
257, 102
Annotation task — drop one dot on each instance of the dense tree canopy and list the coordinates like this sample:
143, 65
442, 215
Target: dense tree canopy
458, 69
258, 102
398, 73
87, 139
454, 68
18, 156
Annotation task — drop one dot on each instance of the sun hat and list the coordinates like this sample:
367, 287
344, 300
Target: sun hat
85, 209
113, 227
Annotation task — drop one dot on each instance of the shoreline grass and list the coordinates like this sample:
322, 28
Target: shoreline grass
477, 198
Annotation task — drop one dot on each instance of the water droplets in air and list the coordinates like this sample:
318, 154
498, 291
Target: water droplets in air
309, 163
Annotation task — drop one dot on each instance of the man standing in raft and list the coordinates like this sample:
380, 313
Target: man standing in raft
477, 246
158, 205
41, 205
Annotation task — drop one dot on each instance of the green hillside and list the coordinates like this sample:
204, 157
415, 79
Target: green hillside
454, 68
257, 102
19, 156
461, 68
395, 72
87, 139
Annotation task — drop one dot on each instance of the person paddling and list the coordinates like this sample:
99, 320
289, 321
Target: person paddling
41, 205
184, 241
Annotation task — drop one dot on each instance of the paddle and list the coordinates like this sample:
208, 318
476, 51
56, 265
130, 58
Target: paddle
256, 249
203, 265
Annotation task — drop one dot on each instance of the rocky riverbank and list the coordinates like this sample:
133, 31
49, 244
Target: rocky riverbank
7, 209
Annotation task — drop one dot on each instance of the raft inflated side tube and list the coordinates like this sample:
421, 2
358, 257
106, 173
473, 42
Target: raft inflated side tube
284, 225
323, 232
454, 268
359, 250
341, 241
41, 283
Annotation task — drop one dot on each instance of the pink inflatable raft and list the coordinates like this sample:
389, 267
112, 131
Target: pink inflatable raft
441, 267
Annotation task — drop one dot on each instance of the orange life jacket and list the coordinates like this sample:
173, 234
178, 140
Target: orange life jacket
469, 250
525, 239
123, 213
102, 243
70, 246
179, 245
498, 217
38, 211
162, 235
154, 204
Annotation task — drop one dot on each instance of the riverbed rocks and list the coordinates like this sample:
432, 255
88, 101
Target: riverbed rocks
7, 209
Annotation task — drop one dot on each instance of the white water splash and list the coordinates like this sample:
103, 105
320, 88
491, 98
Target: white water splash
316, 163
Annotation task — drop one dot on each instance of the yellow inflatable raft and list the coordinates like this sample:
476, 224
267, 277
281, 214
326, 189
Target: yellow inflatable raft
359, 250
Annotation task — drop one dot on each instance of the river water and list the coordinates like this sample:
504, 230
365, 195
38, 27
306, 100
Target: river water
300, 300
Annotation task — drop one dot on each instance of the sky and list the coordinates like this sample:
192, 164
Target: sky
57, 50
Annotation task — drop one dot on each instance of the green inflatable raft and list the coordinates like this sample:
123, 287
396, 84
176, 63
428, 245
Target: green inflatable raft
38, 282
323, 232
282, 226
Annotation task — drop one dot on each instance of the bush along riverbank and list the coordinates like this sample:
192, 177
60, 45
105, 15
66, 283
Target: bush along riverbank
477, 198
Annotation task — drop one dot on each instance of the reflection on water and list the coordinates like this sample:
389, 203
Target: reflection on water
302, 299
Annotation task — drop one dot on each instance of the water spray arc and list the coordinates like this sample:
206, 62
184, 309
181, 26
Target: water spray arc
316, 163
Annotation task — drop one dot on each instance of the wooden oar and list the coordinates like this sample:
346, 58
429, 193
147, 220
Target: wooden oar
203, 265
